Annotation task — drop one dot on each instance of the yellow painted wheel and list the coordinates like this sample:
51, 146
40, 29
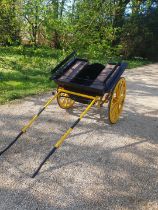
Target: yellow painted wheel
117, 100
64, 101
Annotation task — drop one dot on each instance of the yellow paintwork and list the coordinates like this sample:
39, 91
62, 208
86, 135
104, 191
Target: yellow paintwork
36, 116
88, 107
64, 101
117, 100
61, 140
75, 93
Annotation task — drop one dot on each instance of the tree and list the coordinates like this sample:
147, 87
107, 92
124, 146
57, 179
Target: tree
139, 33
99, 28
34, 13
9, 25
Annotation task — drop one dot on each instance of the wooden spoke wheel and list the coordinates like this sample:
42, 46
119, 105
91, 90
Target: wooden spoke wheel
64, 101
117, 100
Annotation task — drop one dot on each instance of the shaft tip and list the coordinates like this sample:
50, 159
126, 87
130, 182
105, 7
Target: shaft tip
35, 174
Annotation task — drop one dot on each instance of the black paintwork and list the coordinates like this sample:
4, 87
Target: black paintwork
85, 78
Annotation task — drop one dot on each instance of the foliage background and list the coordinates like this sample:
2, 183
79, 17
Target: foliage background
98, 28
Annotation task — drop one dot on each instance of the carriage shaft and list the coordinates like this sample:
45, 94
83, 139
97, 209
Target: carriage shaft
65, 135
24, 129
61, 140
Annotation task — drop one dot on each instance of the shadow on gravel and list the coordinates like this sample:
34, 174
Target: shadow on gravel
142, 89
21, 199
136, 124
135, 187
129, 184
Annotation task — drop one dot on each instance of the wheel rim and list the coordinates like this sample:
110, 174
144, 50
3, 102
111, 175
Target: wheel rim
64, 101
117, 100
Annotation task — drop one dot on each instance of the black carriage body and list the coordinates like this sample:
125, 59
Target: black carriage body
79, 75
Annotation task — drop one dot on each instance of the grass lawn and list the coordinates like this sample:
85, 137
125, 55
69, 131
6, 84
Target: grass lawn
26, 71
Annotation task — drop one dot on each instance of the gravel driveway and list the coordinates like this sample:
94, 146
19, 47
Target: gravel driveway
99, 166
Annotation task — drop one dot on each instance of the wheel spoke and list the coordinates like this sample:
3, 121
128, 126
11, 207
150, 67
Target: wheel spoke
117, 100
115, 108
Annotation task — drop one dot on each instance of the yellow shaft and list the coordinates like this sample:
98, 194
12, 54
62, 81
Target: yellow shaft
37, 115
61, 140
76, 94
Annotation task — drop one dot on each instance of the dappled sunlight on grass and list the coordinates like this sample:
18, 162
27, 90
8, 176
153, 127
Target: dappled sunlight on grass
25, 71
